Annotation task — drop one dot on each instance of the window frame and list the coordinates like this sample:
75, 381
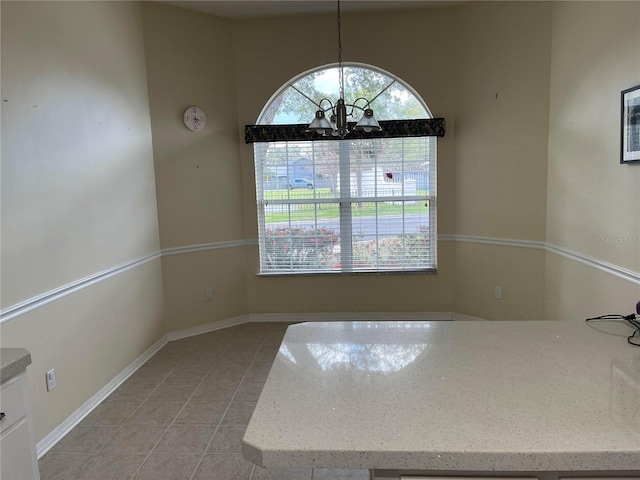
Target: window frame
433, 127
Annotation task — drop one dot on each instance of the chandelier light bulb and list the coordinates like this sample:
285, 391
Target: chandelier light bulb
320, 124
368, 122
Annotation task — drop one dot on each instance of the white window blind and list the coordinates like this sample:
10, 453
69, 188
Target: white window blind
353, 205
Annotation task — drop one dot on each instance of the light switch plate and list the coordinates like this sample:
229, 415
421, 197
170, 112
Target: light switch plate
51, 380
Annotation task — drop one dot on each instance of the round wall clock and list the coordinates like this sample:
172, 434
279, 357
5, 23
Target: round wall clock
194, 119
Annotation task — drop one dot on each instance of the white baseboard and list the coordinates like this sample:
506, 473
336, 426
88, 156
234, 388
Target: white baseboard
462, 317
76, 417
350, 316
313, 317
209, 327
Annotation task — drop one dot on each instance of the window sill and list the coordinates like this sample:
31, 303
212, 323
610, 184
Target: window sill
426, 271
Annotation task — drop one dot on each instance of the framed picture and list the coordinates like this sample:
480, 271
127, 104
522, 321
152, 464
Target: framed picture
630, 126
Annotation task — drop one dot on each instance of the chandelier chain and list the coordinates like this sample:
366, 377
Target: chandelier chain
337, 124
340, 69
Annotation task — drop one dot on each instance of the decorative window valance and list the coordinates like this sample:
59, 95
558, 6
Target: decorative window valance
427, 127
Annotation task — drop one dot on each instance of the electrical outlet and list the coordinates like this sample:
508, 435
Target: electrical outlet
498, 293
51, 380
209, 294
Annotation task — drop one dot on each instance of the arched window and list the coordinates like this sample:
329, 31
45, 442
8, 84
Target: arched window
364, 203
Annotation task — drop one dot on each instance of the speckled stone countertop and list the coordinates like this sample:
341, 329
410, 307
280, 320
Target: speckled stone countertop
454, 396
12, 362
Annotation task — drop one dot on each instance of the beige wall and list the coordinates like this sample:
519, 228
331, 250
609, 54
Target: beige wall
88, 337
593, 204
502, 118
416, 49
186, 278
502, 112
190, 62
369, 293
575, 291
480, 268
78, 195
76, 144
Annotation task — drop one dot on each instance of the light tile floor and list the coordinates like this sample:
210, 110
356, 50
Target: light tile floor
182, 416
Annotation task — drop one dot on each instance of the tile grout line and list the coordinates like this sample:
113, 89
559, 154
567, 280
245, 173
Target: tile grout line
112, 436
254, 351
119, 427
169, 425
221, 419
253, 468
179, 412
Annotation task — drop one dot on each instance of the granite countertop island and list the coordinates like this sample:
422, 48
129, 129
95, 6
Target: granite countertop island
518, 396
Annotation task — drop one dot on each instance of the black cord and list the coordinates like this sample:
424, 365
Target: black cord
631, 318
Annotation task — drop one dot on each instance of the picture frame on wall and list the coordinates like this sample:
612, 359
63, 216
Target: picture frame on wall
630, 126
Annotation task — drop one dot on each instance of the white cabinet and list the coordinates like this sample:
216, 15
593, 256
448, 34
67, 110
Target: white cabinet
17, 444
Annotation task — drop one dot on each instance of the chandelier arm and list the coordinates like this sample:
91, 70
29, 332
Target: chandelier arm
358, 106
331, 105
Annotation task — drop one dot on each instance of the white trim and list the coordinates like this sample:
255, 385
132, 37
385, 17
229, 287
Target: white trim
209, 327
315, 317
76, 417
625, 274
209, 246
350, 316
55, 294
506, 242
610, 268
52, 295
461, 317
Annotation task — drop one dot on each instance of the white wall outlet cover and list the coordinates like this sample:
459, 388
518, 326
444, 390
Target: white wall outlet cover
51, 380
